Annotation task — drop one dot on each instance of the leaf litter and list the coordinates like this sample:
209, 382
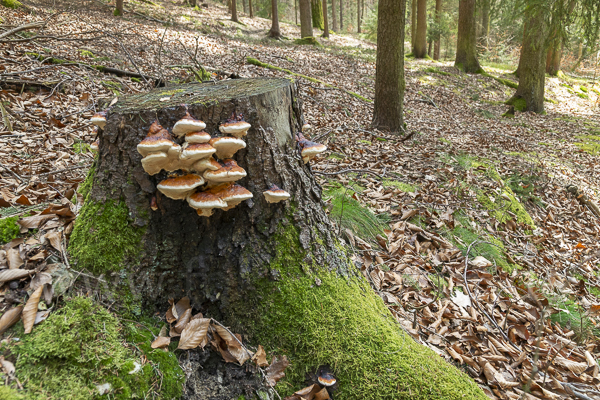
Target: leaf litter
487, 257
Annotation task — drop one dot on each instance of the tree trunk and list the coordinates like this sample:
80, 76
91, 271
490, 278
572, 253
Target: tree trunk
553, 57
317, 14
334, 16
306, 28
485, 22
274, 273
420, 46
532, 63
438, 18
119, 8
341, 14
234, 16
413, 24
358, 8
389, 71
296, 11
274, 32
466, 47
325, 20
250, 9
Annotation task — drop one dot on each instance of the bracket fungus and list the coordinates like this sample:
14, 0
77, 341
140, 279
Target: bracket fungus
229, 172
187, 124
275, 194
308, 149
235, 126
227, 146
99, 119
197, 137
326, 379
197, 151
95, 145
205, 202
179, 187
232, 194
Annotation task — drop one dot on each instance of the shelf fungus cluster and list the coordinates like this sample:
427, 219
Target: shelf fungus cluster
205, 182
308, 149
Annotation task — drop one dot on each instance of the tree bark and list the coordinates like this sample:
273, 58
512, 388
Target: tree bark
325, 20
554, 57
250, 9
438, 18
306, 28
341, 14
274, 32
234, 16
274, 273
317, 14
119, 8
358, 9
413, 24
532, 63
485, 22
389, 72
334, 16
420, 46
466, 47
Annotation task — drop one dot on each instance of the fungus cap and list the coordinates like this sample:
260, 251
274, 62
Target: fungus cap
197, 137
154, 162
205, 202
153, 204
235, 128
227, 146
206, 163
327, 379
306, 127
99, 119
187, 124
232, 194
157, 139
179, 187
311, 149
229, 172
197, 151
95, 145
275, 194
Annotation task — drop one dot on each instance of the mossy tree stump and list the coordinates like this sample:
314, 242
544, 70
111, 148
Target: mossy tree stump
274, 272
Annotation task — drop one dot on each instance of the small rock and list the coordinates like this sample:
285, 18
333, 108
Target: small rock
317, 281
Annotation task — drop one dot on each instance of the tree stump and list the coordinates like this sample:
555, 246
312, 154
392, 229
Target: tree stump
272, 271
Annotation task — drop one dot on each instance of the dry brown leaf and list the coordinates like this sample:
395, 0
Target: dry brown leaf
573, 366
226, 336
260, 357
183, 320
241, 354
309, 391
9, 318
54, 238
14, 259
13, 274
194, 333
169, 314
35, 222
30, 309
161, 342
179, 308
322, 395
274, 372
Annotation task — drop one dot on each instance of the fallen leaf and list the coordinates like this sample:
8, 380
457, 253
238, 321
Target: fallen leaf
323, 394
573, 366
260, 357
461, 299
30, 310
54, 238
9, 318
35, 222
14, 259
274, 372
161, 342
179, 308
480, 262
12, 274
183, 320
194, 333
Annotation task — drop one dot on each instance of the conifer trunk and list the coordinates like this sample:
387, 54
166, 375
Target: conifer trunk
234, 16
250, 9
274, 32
485, 22
413, 24
438, 17
119, 8
334, 16
420, 45
274, 273
466, 46
306, 28
317, 14
554, 57
325, 20
532, 63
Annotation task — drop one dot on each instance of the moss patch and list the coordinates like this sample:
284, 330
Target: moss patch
85, 186
9, 229
518, 103
103, 236
80, 346
11, 4
344, 324
309, 40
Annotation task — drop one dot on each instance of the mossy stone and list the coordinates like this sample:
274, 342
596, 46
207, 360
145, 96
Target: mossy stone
309, 40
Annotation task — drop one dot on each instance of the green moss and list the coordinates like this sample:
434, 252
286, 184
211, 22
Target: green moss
518, 103
435, 70
82, 345
309, 40
344, 324
85, 186
583, 89
405, 187
583, 95
503, 203
505, 82
7, 393
9, 229
103, 236
589, 143
11, 4
117, 13
258, 63
81, 148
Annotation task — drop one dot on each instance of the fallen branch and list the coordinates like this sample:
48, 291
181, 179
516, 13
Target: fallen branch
24, 27
583, 199
258, 63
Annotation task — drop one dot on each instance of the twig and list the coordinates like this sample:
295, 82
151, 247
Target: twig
11, 172
347, 171
33, 25
56, 171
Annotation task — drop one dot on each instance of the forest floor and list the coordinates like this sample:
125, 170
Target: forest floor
466, 225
